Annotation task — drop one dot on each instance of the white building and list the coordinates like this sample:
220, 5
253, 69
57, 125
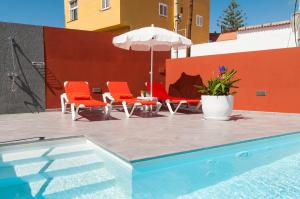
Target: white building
250, 38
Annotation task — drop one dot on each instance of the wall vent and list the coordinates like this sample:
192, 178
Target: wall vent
261, 93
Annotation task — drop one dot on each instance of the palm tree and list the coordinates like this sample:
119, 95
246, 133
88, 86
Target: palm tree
189, 25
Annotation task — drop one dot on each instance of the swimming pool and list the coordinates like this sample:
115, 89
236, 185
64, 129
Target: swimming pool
76, 168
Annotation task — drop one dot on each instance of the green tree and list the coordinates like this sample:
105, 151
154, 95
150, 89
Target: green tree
233, 17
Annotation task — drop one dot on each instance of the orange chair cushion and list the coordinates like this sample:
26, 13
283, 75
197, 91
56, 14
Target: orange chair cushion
119, 89
78, 92
120, 92
89, 103
146, 102
77, 87
132, 101
158, 91
125, 96
189, 101
82, 97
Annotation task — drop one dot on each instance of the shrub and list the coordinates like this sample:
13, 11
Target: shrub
221, 85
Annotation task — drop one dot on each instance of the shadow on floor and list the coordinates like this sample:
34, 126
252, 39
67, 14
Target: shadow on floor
184, 109
93, 116
147, 114
189, 111
238, 117
139, 113
22, 140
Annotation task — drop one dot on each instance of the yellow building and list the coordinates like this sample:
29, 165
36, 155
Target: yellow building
123, 15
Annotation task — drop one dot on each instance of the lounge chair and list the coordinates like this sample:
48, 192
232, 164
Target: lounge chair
160, 92
78, 95
119, 94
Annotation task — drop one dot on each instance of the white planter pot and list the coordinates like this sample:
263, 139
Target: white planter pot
217, 107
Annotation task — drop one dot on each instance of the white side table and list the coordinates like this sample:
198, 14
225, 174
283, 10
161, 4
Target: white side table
148, 98
146, 108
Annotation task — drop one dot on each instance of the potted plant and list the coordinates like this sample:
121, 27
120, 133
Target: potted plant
217, 98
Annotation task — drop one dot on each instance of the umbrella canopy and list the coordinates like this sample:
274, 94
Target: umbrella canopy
151, 39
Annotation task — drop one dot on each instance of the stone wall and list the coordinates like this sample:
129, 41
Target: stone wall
22, 82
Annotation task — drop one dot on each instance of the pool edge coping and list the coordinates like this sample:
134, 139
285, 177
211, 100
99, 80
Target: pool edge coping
211, 147
128, 160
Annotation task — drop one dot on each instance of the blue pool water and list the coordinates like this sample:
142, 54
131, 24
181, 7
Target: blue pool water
264, 168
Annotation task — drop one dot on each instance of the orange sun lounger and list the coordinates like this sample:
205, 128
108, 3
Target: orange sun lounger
160, 92
119, 93
78, 95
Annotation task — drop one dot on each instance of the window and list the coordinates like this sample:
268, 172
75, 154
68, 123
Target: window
105, 5
163, 9
73, 10
199, 20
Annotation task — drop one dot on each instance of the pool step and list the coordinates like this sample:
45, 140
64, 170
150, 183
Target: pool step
49, 174
105, 190
32, 166
55, 182
55, 172
40, 152
46, 158
84, 192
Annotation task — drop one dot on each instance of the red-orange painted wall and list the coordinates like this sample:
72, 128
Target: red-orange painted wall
90, 56
275, 71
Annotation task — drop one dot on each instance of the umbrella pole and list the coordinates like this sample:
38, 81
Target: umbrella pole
151, 73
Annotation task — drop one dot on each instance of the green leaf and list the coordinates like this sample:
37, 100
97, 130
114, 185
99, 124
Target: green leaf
220, 85
216, 88
223, 88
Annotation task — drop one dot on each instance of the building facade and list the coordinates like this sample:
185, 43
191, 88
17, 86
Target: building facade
250, 38
124, 15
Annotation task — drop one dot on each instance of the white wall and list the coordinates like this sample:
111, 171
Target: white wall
178, 54
249, 40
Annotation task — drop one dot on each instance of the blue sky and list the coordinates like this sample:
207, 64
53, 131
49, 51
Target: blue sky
37, 12
257, 11
51, 12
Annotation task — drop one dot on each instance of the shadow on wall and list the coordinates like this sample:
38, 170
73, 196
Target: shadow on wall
22, 71
21, 81
185, 86
52, 82
96, 60
275, 72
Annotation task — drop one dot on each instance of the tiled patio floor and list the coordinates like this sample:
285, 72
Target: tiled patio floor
140, 137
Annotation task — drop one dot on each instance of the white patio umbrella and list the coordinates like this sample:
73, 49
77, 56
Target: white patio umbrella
151, 39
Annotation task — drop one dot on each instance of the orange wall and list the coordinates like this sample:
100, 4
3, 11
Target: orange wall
90, 56
275, 71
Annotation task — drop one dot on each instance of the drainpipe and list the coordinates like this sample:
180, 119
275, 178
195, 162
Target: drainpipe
298, 23
176, 15
295, 24
176, 19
